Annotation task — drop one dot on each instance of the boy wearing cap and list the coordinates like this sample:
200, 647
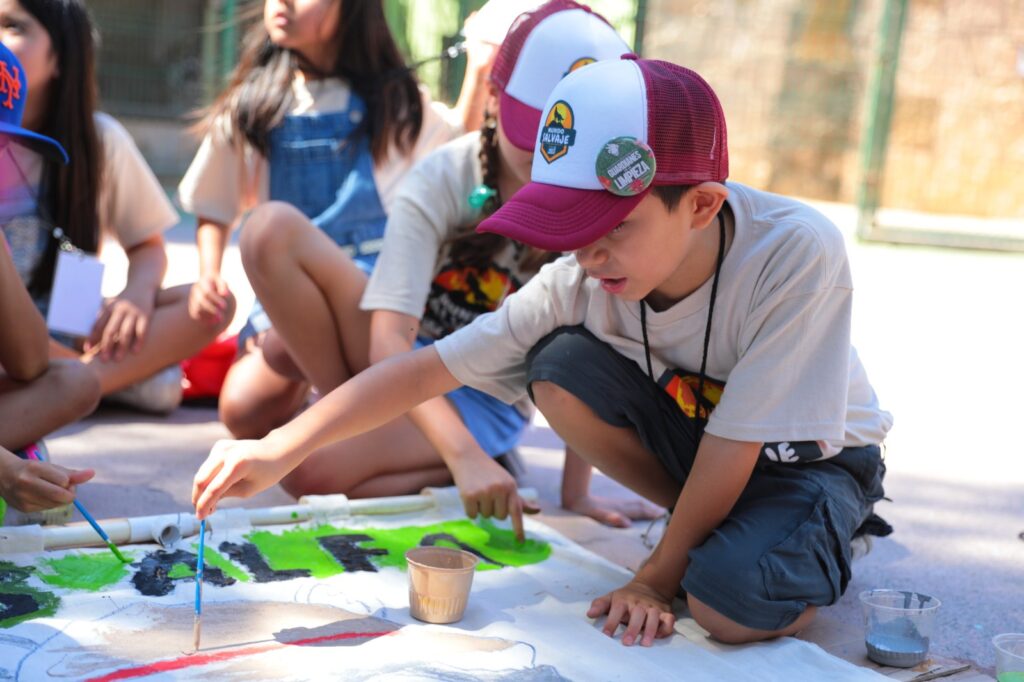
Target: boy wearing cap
695, 347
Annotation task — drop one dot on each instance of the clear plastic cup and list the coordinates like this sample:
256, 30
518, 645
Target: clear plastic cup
1009, 657
898, 626
439, 582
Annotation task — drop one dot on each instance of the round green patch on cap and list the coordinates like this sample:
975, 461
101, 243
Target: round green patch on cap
625, 166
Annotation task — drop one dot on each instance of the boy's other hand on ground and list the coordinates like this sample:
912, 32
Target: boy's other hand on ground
208, 299
612, 511
237, 468
489, 490
31, 486
645, 613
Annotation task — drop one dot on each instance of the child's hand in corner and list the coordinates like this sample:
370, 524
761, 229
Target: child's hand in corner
640, 608
613, 511
31, 486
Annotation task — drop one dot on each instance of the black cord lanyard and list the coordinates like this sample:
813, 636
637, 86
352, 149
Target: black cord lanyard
707, 329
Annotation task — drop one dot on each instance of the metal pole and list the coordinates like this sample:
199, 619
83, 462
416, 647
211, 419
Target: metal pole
878, 116
639, 22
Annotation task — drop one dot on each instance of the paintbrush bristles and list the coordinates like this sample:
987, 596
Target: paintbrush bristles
196, 628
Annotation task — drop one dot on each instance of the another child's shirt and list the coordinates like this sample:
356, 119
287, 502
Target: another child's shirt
415, 274
132, 206
227, 178
780, 349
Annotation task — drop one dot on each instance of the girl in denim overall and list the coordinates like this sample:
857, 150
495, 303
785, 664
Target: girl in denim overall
434, 276
321, 115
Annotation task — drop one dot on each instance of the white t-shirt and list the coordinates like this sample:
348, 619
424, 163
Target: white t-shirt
415, 273
780, 339
226, 179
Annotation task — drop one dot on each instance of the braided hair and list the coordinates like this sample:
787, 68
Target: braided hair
472, 249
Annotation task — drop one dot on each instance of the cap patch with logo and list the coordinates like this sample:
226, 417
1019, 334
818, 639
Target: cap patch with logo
558, 133
625, 166
578, 64
10, 84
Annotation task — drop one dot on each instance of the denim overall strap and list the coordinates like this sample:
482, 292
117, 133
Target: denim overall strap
321, 164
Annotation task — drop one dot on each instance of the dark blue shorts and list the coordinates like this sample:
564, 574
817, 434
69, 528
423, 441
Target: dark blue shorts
786, 543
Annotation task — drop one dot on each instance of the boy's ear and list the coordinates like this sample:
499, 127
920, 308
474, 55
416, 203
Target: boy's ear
705, 201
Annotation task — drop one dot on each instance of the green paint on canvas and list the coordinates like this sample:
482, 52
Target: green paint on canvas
90, 572
212, 557
13, 585
180, 570
298, 548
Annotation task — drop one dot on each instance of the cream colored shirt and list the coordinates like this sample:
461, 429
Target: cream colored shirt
780, 339
227, 179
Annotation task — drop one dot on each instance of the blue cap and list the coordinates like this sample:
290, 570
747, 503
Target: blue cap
13, 93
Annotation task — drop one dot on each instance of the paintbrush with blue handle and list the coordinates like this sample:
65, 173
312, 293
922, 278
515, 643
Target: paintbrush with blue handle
196, 623
92, 522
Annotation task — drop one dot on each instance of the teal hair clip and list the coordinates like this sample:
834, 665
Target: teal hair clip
480, 195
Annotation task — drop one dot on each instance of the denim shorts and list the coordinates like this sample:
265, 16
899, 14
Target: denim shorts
786, 543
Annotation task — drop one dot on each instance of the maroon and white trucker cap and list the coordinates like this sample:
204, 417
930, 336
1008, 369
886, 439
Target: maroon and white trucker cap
541, 48
611, 131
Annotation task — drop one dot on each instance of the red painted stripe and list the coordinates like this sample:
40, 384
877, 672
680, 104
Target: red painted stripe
194, 660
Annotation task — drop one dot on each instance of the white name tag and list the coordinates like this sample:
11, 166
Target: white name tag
77, 294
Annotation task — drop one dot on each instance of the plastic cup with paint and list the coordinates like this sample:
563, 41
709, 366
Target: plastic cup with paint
899, 626
439, 583
1009, 657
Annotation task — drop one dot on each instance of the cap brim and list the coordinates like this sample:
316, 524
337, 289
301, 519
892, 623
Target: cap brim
45, 145
559, 218
519, 122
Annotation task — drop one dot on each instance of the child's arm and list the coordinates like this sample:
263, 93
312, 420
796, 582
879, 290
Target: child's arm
370, 399
24, 351
485, 487
720, 472
208, 298
121, 326
576, 497
33, 486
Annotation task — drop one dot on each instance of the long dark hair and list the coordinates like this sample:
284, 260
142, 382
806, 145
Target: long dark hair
259, 93
71, 192
479, 249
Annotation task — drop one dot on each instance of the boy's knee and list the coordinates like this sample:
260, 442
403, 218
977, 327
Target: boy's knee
267, 230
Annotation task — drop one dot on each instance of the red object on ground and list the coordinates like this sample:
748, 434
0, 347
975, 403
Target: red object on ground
204, 372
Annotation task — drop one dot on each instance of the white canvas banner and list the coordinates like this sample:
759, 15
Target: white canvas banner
312, 602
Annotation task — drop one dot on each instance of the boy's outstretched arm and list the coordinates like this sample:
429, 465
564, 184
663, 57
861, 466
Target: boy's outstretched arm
644, 605
368, 400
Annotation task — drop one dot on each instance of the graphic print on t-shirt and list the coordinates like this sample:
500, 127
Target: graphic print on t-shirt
681, 386
460, 293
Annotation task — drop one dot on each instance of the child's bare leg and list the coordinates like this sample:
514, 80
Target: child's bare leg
616, 451
173, 335
260, 394
729, 631
353, 466
311, 290
66, 392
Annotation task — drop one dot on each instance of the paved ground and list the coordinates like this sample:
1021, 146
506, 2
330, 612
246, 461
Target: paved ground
939, 333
